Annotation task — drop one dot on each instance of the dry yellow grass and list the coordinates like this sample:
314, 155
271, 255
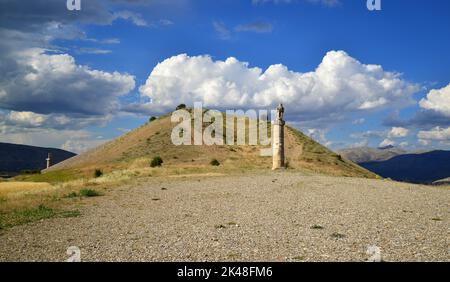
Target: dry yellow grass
15, 189
134, 151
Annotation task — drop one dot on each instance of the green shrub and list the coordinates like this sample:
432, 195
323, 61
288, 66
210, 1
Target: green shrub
152, 119
98, 173
71, 195
89, 193
156, 162
214, 162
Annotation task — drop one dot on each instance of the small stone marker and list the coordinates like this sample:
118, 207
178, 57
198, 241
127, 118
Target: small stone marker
49, 160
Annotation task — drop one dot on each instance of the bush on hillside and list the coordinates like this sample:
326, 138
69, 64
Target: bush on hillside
214, 162
156, 162
98, 173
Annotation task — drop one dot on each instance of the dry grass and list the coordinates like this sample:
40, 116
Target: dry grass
18, 189
24, 201
136, 149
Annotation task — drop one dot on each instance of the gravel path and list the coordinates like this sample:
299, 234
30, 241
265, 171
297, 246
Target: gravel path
272, 217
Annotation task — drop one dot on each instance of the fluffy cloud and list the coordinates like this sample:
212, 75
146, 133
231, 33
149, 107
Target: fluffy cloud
437, 100
387, 142
45, 97
362, 143
14, 122
81, 145
44, 84
434, 111
31, 16
27, 119
435, 134
73, 140
404, 144
340, 84
368, 134
319, 135
398, 132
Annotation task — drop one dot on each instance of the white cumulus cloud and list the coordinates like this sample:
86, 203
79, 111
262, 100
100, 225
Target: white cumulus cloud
435, 134
386, 142
398, 132
340, 84
29, 119
437, 100
48, 83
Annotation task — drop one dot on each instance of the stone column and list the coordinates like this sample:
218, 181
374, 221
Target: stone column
278, 140
49, 160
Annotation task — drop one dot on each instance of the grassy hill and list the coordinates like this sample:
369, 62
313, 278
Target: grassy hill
445, 181
135, 150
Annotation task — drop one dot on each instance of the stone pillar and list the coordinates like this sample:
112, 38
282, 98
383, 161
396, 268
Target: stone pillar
49, 160
278, 140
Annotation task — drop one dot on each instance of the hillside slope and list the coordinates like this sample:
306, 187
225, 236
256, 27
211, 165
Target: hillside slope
416, 168
445, 181
136, 148
15, 158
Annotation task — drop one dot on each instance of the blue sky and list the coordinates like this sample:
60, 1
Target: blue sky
349, 76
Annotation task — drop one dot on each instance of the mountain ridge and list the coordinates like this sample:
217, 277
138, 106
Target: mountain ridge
424, 168
368, 154
15, 158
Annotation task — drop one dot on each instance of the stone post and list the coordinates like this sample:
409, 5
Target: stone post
278, 140
49, 160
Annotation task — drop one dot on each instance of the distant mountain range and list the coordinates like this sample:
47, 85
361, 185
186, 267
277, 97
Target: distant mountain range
367, 154
397, 164
15, 158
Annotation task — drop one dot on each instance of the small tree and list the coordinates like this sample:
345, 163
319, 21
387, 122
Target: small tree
214, 162
152, 119
181, 106
156, 162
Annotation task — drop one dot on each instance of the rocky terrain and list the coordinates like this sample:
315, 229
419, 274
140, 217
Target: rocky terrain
283, 216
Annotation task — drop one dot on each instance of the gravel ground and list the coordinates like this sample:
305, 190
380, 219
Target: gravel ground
272, 217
